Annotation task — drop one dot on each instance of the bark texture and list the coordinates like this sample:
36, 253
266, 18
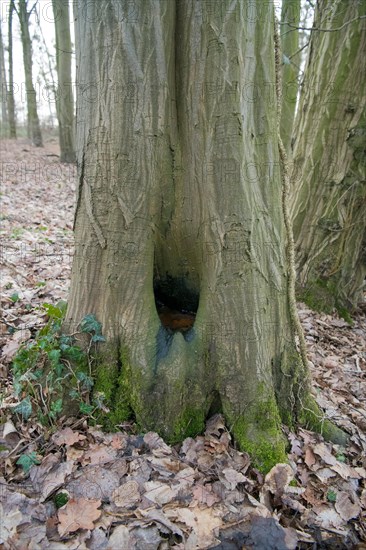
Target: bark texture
3, 86
11, 101
290, 13
33, 120
65, 100
180, 194
329, 192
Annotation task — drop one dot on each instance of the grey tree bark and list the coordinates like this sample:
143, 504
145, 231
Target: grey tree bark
33, 120
179, 201
11, 101
329, 192
65, 100
290, 13
3, 84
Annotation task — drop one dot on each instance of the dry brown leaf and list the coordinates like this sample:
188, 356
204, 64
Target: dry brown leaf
160, 493
231, 478
98, 454
310, 459
278, 478
126, 495
325, 454
204, 494
78, 514
346, 507
203, 522
67, 436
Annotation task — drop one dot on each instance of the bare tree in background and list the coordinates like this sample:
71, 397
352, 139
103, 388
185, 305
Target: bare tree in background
3, 85
10, 95
34, 128
64, 98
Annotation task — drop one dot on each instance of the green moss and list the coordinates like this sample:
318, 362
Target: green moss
258, 432
189, 423
113, 384
312, 417
322, 295
319, 295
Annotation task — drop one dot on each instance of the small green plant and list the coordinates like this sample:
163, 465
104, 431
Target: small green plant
51, 374
61, 499
331, 496
14, 297
26, 461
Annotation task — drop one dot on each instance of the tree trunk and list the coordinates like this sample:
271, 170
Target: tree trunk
290, 13
11, 102
179, 202
65, 101
329, 193
33, 120
3, 86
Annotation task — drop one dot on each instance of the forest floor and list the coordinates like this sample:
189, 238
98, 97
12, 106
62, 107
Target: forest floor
127, 491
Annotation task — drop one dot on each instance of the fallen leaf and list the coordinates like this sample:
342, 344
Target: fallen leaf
345, 507
78, 514
67, 437
127, 494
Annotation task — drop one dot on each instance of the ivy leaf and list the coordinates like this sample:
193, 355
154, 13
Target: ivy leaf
85, 408
98, 338
26, 461
56, 407
90, 324
57, 311
24, 408
54, 356
86, 380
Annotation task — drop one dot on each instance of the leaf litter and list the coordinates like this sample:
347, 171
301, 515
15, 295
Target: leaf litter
81, 488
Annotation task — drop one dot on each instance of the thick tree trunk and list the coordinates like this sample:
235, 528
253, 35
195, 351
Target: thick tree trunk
33, 120
329, 212
11, 101
290, 13
65, 101
180, 196
3, 85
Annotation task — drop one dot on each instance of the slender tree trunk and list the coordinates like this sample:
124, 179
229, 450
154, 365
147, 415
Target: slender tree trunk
329, 193
291, 65
179, 201
65, 101
3, 86
11, 101
33, 120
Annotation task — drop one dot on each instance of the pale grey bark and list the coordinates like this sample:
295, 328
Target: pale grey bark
34, 128
3, 84
65, 100
180, 189
11, 101
290, 13
329, 193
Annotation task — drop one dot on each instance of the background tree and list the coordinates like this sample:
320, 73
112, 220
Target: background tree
11, 101
34, 128
290, 13
179, 202
329, 212
3, 85
65, 101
